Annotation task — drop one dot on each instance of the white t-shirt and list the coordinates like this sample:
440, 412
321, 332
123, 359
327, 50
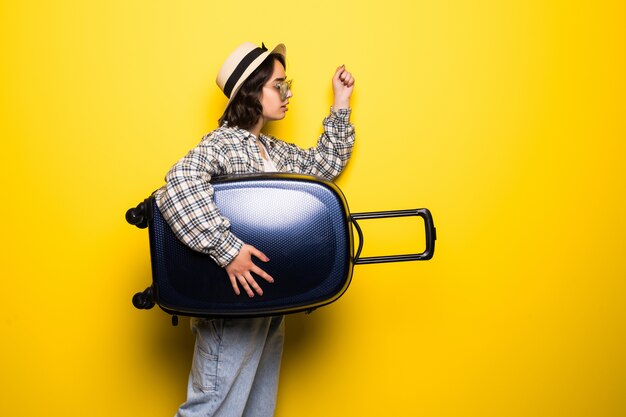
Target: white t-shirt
268, 164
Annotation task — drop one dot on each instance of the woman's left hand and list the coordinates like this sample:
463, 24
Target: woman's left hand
343, 85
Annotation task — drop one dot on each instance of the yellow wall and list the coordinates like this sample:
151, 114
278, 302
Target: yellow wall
506, 119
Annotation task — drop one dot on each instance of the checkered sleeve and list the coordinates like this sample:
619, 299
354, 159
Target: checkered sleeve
334, 147
186, 202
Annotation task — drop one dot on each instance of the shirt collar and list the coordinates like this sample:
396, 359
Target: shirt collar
265, 139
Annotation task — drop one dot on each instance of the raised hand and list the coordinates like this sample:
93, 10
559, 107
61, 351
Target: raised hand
343, 85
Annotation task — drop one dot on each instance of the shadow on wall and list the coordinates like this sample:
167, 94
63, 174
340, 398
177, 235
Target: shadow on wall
301, 330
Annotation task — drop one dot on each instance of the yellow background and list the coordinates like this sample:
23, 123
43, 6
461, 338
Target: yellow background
506, 119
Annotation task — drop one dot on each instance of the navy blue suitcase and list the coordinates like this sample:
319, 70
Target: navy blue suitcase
301, 223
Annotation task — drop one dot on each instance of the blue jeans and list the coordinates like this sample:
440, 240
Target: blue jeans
235, 367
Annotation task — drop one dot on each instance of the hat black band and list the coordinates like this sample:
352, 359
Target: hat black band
241, 68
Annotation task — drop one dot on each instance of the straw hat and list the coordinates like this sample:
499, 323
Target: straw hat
240, 64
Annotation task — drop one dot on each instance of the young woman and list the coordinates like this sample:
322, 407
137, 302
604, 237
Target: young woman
237, 361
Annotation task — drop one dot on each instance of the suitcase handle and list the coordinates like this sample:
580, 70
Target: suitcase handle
431, 236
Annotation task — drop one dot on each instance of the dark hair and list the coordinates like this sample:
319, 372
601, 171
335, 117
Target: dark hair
245, 109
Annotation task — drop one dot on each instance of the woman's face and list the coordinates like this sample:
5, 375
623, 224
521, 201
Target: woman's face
274, 107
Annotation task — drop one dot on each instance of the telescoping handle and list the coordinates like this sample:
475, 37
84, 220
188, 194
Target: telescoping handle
431, 236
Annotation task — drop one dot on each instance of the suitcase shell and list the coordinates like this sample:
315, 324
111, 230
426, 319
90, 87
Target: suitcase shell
301, 223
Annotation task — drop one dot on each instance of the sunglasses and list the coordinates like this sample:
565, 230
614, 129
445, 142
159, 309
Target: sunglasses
283, 87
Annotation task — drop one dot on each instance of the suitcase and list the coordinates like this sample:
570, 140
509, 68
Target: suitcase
302, 223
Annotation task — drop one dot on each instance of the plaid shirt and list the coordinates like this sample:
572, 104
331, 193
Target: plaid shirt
186, 200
